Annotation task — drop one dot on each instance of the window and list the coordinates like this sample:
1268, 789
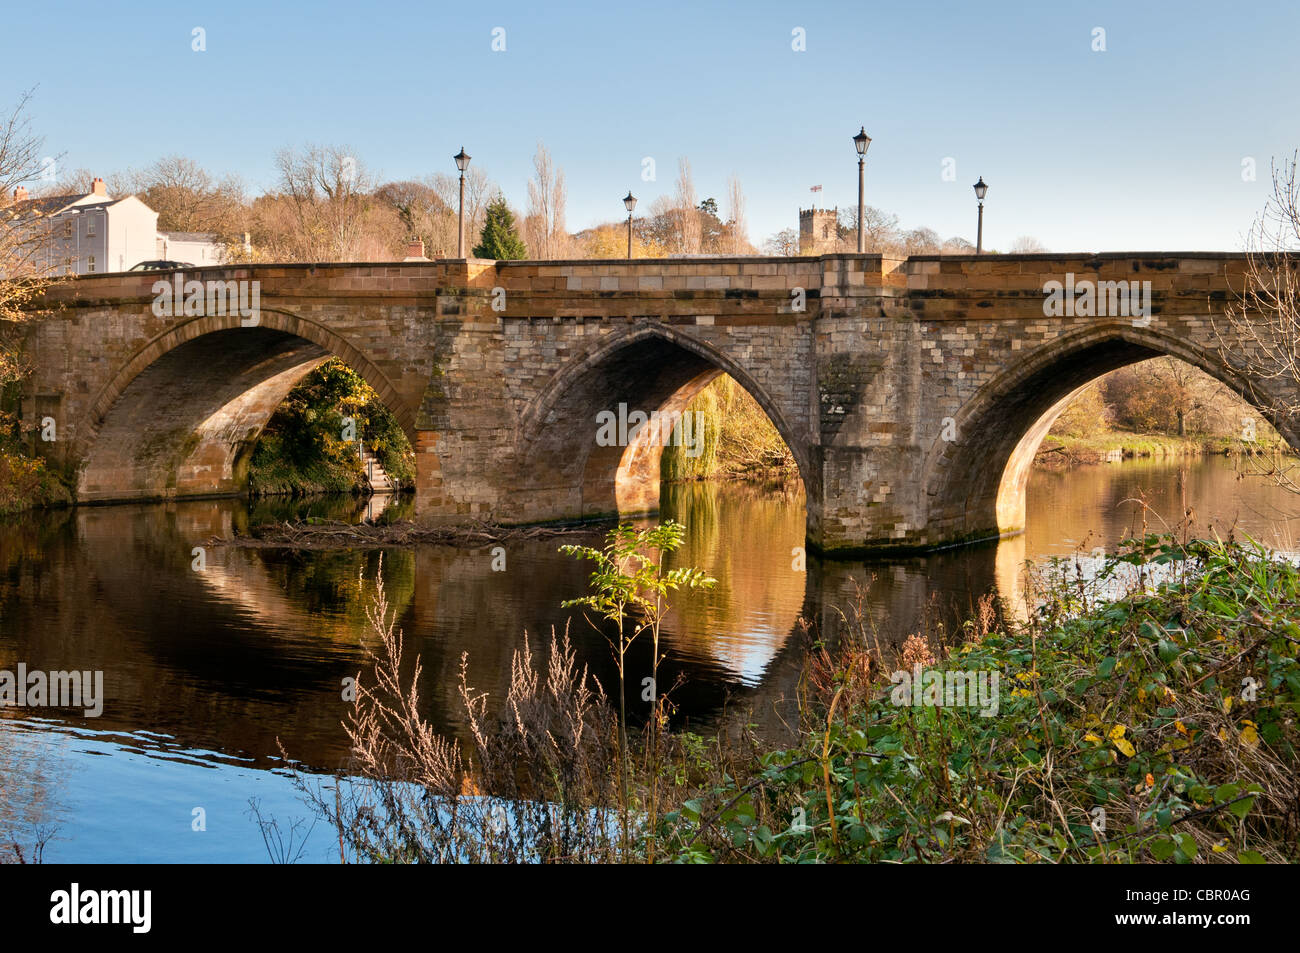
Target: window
67, 229
90, 226
90, 263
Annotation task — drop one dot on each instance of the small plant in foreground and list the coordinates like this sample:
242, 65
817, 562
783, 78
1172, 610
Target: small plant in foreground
631, 587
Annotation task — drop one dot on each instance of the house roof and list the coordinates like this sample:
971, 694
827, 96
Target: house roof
44, 206
54, 204
188, 236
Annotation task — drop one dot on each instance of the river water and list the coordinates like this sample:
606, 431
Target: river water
213, 660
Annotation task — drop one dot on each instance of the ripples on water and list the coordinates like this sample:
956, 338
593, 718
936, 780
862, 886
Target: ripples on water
205, 671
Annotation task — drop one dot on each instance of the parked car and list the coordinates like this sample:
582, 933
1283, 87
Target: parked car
161, 266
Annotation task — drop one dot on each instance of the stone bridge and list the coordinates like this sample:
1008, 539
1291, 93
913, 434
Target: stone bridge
912, 392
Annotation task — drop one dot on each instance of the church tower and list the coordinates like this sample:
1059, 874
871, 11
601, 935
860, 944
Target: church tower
818, 230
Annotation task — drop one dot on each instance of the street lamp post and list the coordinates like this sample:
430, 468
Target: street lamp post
462, 163
980, 191
629, 203
861, 141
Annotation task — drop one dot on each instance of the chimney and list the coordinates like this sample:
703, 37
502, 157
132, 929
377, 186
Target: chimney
20, 194
97, 187
415, 250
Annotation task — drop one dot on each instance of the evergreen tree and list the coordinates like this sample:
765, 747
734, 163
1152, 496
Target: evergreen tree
499, 240
712, 229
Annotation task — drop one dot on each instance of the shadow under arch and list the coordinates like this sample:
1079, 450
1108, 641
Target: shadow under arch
182, 415
650, 368
975, 485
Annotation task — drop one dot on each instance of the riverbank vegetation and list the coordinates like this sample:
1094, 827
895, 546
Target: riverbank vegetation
1161, 408
1142, 712
1156, 726
312, 442
27, 483
25, 274
735, 437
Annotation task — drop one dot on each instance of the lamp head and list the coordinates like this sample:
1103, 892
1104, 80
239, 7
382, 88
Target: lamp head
861, 141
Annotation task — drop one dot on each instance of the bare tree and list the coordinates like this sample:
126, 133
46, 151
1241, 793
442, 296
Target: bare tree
26, 266
676, 218
692, 230
1163, 394
423, 214
921, 241
327, 191
186, 197
737, 238
1259, 338
544, 231
1027, 245
784, 243
479, 190
880, 231
77, 182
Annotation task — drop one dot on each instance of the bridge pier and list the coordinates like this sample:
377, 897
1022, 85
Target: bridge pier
867, 504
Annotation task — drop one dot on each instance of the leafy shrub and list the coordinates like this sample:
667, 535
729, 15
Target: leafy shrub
302, 449
1157, 726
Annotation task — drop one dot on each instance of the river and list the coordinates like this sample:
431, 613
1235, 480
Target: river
213, 660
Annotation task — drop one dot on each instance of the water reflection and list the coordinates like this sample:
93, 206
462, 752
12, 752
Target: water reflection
251, 650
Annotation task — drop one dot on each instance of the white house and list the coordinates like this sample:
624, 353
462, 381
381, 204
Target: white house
89, 233
197, 248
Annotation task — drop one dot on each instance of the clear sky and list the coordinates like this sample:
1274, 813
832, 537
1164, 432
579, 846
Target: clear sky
1137, 147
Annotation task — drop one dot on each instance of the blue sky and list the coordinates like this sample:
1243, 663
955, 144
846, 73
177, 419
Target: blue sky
1137, 147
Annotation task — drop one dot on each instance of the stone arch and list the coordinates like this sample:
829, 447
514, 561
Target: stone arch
273, 318
650, 368
182, 414
975, 485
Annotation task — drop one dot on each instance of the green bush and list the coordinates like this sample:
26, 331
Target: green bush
303, 447
1157, 727
27, 483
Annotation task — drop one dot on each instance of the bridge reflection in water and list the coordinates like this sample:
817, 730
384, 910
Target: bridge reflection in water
256, 645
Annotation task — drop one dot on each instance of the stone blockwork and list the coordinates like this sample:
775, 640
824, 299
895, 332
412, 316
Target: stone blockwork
911, 392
